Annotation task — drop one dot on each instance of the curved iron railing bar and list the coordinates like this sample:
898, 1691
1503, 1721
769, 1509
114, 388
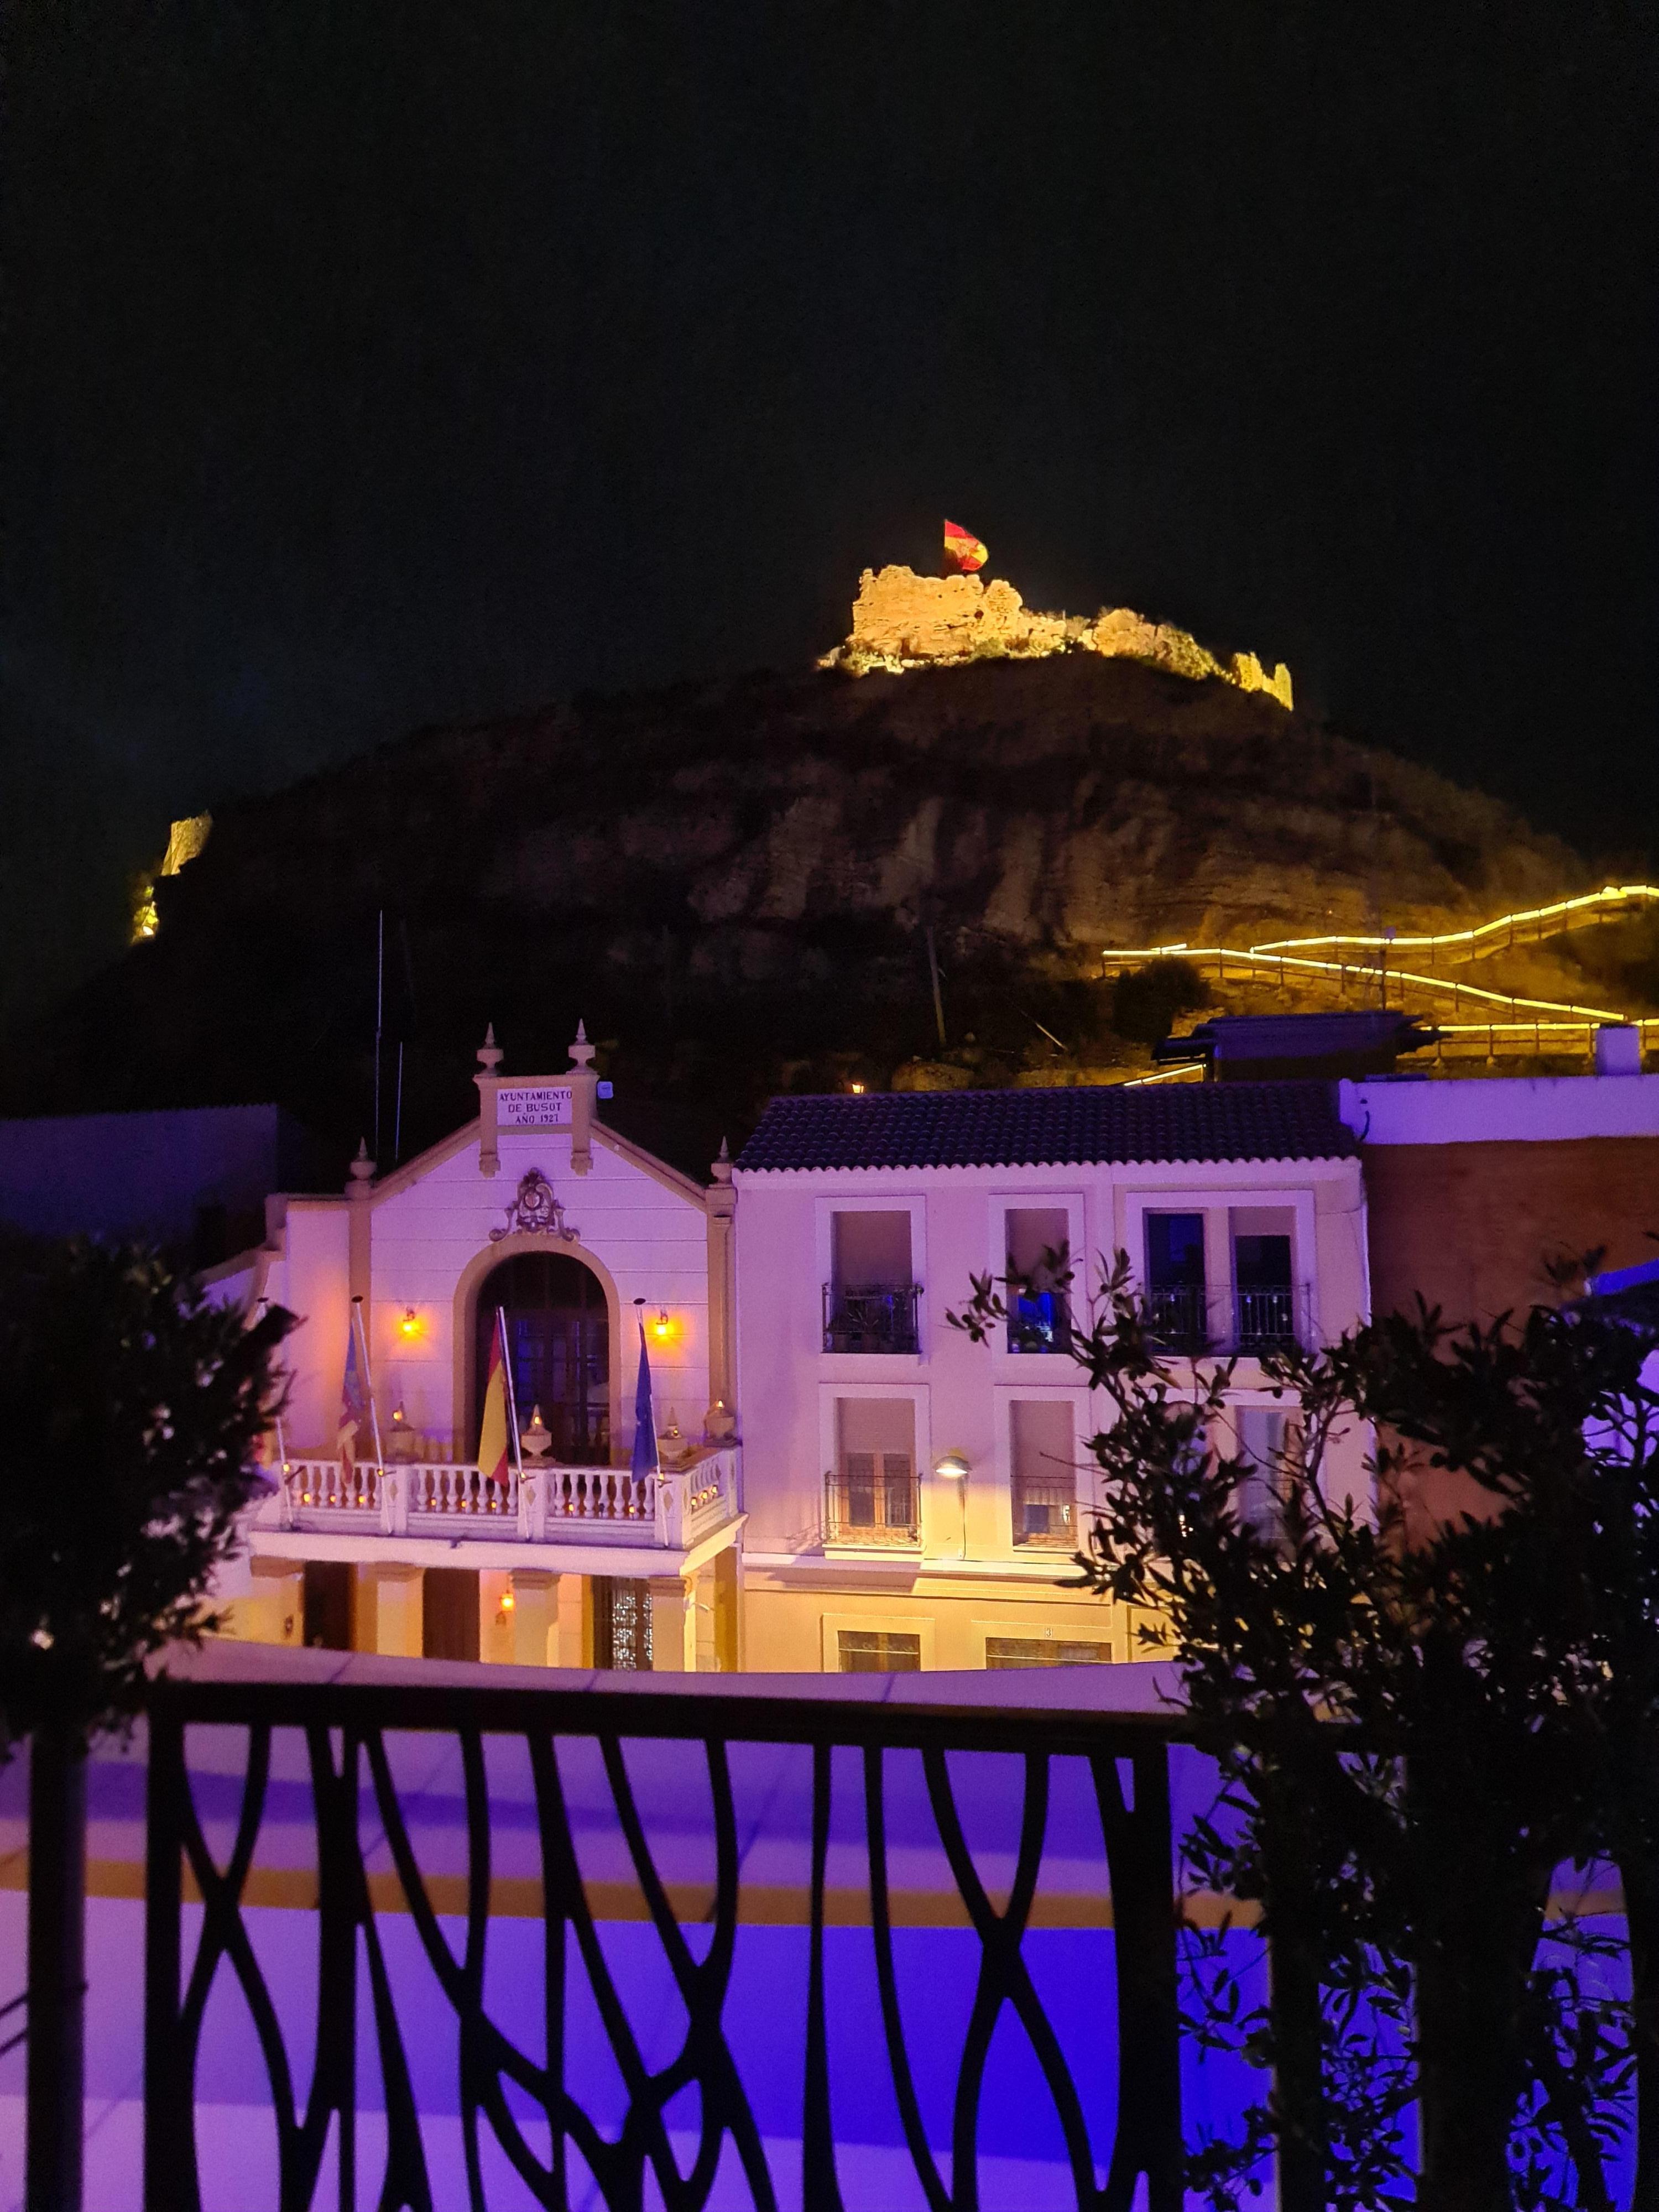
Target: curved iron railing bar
1147, 2138
820, 2185
224, 1936
512, 2060
643, 2129
469, 2004
561, 1886
1004, 1979
702, 1989
484, 2049
881, 1931
481, 2038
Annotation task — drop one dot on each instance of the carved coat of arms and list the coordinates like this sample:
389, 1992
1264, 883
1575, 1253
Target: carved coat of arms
535, 1211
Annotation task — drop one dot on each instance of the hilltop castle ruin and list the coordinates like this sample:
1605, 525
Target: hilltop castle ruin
902, 620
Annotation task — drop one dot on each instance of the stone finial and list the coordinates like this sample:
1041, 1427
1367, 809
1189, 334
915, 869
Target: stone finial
362, 1171
721, 1168
490, 1053
583, 1095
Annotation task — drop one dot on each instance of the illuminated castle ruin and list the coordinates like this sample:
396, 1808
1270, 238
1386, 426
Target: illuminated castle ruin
902, 620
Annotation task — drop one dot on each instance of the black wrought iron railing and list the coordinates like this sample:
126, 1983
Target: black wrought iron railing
1045, 1512
870, 1316
1180, 1319
406, 2024
1263, 1320
1193, 1320
872, 1509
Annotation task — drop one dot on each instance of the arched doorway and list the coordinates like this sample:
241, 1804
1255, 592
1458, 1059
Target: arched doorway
558, 1334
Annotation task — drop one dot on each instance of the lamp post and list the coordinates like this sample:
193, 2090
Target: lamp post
952, 1467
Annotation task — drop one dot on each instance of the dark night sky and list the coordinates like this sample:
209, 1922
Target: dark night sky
378, 363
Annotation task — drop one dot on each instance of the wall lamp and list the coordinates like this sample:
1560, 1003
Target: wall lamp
953, 1466
661, 1325
410, 1323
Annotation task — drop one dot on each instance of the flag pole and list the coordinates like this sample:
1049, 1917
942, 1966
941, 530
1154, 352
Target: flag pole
369, 1378
511, 1396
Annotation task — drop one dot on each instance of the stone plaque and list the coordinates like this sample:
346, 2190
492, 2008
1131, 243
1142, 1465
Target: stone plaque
532, 1106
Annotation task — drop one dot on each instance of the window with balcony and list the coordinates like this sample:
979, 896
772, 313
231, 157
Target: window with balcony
871, 1492
878, 1651
1178, 1305
870, 1302
1264, 1289
1043, 1453
1039, 1271
1269, 1441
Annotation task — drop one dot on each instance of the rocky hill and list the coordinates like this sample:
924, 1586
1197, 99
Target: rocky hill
736, 884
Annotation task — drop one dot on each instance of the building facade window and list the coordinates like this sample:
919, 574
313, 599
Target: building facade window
870, 1300
1176, 1293
1042, 1454
879, 1651
1264, 1285
1039, 1315
1002, 1652
871, 1494
1269, 1440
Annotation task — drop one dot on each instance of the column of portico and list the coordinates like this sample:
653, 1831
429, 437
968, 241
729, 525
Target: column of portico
535, 1617
399, 1625
274, 1610
673, 1623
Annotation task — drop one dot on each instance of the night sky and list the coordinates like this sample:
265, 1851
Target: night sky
377, 364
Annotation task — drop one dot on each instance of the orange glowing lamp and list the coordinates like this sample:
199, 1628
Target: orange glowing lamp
662, 1326
410, 1326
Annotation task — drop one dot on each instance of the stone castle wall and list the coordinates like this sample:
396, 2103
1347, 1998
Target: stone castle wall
902, 620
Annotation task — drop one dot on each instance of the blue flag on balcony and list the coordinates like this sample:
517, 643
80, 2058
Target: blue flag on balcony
645, 1424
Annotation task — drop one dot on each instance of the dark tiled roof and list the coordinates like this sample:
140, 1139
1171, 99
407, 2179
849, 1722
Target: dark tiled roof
1032, 1128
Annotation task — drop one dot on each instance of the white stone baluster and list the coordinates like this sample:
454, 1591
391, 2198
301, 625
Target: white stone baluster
671, 1511
394, 1501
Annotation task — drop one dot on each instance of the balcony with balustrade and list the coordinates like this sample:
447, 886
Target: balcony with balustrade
330, 1508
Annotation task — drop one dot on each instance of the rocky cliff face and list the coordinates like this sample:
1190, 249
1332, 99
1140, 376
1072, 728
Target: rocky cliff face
734, 883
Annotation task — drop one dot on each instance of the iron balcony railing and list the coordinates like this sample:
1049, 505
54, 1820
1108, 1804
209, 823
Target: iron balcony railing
1045, 1512
870, 1316
1192, 1320
464, 2022
1180, 1319
874, 1509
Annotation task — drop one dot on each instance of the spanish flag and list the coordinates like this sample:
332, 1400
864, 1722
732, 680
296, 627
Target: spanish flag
963, 552
494, 1438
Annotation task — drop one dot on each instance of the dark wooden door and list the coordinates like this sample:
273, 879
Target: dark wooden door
558, 1334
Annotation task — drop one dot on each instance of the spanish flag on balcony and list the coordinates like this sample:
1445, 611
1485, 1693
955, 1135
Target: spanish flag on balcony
963, 552
495, 1437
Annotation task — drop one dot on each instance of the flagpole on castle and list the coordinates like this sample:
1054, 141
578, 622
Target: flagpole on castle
368, 1376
